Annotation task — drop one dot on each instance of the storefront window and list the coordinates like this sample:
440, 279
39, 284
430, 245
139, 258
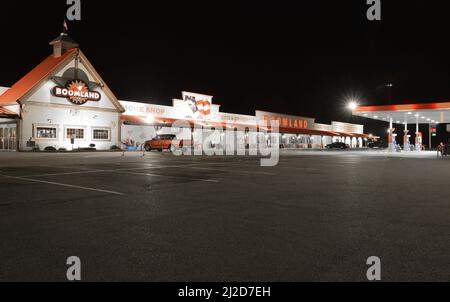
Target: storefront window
75, 133
45, 133
101, 134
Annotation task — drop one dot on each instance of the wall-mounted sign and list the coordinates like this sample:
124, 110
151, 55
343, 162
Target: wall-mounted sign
142, 109
199, 104
285, 121
77, 92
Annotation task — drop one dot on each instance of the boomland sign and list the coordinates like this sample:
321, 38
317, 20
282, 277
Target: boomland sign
77, 92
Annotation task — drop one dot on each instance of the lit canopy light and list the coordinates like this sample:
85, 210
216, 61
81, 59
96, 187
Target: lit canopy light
409, 113
428, 119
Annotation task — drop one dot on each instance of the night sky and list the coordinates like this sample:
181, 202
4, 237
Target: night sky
305, 58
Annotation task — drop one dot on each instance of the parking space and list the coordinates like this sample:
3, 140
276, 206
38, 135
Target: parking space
316, 216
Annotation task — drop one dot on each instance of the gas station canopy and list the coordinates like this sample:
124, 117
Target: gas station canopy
430, 113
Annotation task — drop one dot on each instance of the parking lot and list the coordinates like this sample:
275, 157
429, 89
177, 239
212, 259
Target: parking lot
317, 216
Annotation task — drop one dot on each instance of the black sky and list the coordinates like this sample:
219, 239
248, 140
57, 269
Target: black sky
298, 57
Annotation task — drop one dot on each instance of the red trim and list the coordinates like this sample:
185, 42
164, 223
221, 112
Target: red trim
140, 120
406, 107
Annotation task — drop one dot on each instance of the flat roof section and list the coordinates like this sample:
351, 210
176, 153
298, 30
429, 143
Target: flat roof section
428, 113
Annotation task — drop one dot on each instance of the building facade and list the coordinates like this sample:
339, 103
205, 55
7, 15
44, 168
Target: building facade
64, 104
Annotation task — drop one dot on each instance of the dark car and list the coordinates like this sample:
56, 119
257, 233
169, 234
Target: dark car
337, 146
377, 145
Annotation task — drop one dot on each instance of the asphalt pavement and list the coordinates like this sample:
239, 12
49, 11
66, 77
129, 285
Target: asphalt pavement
317, 216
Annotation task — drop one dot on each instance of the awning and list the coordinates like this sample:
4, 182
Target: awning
7, 113
165, 122
321, 132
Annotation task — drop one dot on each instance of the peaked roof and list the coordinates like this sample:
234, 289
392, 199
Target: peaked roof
43, 71
33, 78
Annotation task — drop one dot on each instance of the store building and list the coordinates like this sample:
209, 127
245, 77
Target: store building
64, 104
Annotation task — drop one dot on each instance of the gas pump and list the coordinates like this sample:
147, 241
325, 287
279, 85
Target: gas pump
391, 140
406, 138
418, 141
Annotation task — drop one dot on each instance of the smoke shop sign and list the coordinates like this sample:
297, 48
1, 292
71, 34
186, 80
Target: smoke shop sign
77, 92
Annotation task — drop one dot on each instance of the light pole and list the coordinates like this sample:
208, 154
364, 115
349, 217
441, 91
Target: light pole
389, 92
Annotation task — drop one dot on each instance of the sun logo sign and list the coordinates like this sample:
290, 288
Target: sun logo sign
77, 92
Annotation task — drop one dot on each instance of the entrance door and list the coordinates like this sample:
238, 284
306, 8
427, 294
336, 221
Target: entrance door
8, 138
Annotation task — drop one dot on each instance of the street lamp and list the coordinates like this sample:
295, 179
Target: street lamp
352, 105
389, 91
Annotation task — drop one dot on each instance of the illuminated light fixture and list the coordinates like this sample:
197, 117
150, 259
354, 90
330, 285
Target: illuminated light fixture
437, 123
416, 115
365, 114
428, 119
352, 105
398, 122
150, 119
376, 116
422, 117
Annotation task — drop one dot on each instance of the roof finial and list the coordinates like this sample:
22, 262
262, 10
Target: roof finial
65, 27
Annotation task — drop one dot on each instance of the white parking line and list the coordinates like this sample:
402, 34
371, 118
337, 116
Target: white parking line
62, 185
152, 167
165, 176
66, 173
232, 171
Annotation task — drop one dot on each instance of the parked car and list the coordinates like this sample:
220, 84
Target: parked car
166, 142
377, 145
337, 146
